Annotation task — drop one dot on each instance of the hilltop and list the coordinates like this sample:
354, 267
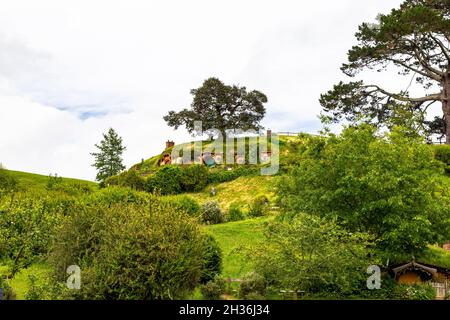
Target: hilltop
35, 181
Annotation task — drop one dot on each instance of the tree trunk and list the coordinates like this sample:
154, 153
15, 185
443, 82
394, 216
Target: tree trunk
446, 105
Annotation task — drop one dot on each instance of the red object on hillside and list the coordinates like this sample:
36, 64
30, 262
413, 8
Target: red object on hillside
169, 144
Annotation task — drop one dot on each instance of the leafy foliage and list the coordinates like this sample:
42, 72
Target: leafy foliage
413, 40
212, 263
27, 227
221, 107
166, 181
259, 206
7, 181
211, 213
194, 178
126, 252
390, 187
8, 292
442, 154
108, 161
214, 289
235, 213
252, 284
314, 255
221, 175
184, 203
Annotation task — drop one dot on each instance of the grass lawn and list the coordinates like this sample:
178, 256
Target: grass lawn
233, 235
241, 191
20, 283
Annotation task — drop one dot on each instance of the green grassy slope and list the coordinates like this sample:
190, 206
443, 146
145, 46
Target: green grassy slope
36, 181
233, 235
150, 165
240, 191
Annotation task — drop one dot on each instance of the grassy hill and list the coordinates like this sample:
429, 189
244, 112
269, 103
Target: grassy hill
37, 181
231, 236
150, 165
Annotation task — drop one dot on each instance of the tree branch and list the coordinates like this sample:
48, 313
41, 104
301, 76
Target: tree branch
423, 73
432, 97
417, 54
441, 45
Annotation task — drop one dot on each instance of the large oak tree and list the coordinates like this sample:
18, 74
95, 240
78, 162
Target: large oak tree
414, 38
221, 107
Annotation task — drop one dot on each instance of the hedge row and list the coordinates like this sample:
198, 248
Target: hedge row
179, 179
442, 153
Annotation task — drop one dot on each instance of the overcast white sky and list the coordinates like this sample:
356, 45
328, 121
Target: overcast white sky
69, 70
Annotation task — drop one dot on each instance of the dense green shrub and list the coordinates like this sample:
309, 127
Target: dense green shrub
252, 284
442, 153
214, 289
131, 179
184, 203
194, 178
28, 226
8, 292
166, 180
131, 252
312, 254
221, 175
259, 206
235, 213
211, 213
212, 259
7, 181
388, 185
113, 195
72, 188
414, 292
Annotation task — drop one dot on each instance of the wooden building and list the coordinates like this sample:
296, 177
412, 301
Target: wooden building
418, 273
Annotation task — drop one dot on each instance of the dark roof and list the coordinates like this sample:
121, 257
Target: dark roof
415, 266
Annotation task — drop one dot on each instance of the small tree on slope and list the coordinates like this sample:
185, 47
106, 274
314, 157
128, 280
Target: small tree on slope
108, 161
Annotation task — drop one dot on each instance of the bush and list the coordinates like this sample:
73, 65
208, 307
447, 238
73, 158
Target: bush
211, 213
442, 153
8, 292
194, 178
114, 195
314, 255
252, 284
7, 181
221, 175
388, 185
184, 203
235, 213
127, 252
214, 289
133, 180
28, 226
212, 259
415, 292
166, 181
259, 206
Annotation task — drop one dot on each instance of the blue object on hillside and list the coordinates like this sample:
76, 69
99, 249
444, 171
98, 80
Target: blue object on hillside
209, 160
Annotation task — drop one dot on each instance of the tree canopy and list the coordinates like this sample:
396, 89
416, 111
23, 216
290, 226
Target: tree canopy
389, 186
415, 39
108, 161
221, 107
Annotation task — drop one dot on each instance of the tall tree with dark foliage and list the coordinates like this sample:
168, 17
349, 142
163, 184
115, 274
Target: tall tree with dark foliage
221, 107
416, 40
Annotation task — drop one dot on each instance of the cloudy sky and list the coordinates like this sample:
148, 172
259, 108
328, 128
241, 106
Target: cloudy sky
69, 70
